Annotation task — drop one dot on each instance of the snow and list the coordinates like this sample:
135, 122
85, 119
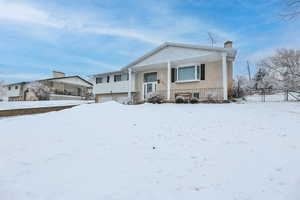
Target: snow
168, 151
7, 105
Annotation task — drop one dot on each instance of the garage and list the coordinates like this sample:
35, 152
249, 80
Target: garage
121, 98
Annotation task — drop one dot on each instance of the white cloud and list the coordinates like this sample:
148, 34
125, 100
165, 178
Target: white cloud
23, 13
162, 26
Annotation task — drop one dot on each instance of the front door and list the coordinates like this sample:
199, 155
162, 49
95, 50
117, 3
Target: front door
150, 84
149, 89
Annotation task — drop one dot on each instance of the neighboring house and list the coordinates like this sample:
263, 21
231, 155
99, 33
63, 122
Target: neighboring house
171, 70
60, 87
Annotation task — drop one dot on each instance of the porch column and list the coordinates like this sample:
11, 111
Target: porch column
224, 70
129, 84
169, 81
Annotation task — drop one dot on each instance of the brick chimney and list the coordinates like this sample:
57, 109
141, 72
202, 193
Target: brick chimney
56, 74
228, 44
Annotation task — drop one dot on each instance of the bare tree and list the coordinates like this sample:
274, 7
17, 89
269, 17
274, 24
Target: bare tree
40, 90
212, 38
241, 86
283, 68
292, 9
3, 90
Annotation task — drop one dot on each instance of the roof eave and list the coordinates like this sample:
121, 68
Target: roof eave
231, 51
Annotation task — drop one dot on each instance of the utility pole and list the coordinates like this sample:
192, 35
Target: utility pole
248, 67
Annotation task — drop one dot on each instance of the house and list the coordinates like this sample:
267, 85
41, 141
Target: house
170, 70
59, 87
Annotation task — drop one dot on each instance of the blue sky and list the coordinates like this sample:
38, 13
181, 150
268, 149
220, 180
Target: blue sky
92, 36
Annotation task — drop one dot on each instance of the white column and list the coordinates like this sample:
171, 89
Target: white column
224, 70
169, 81
129, 84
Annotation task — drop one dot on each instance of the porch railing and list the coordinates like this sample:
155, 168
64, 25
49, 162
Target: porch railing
203, 93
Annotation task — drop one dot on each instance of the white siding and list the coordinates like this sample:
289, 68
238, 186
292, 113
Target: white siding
112, 87
14, 92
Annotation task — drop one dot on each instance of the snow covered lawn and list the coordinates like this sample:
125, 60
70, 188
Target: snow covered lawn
112, 151
8, 105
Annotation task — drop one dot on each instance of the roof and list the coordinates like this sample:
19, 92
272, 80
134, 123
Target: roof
231, 51
106, 73
50, 79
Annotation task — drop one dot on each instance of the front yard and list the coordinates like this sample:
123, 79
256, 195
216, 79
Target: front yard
168, 151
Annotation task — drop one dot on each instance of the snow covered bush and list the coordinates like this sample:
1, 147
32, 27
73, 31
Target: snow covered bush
40, 90
211, 98
179, 99
241, 86
264, 80
194, 100
156, 99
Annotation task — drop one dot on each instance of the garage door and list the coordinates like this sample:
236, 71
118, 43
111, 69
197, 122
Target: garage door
105, 99
119, 98
122, 99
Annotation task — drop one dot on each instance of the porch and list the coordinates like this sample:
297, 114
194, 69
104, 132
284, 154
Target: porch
203, 77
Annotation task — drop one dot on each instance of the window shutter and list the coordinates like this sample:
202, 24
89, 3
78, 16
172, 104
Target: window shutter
198, 72
115, 78
173, 75
107, 79
202, 71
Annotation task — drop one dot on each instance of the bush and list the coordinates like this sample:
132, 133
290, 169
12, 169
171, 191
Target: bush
156, 99
194, 100
179, 99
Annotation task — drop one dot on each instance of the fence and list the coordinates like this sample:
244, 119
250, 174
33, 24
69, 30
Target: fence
272, 95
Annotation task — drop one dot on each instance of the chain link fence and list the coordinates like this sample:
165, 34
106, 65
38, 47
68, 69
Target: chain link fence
272, 95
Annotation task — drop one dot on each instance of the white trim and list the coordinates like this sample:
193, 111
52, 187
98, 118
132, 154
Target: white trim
188, 65
129, 84
187, 81
224, 70
169, 81
231, 51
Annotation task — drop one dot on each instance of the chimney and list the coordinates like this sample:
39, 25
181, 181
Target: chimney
58, 74
228, 44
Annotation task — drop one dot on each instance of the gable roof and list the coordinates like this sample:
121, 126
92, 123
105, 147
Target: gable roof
50, 79
231, 52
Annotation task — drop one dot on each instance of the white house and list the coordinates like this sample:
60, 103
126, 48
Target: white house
170, 70
60, 87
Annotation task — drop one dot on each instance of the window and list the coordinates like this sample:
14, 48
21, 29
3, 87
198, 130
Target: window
189, 73
9, 88
150, 77
117, 77
16, 87
107, 79
196, 95
186, 73
125, 77
99, 80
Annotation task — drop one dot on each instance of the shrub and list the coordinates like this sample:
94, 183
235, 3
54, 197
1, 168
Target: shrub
156, 99
179, 99
194, 100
